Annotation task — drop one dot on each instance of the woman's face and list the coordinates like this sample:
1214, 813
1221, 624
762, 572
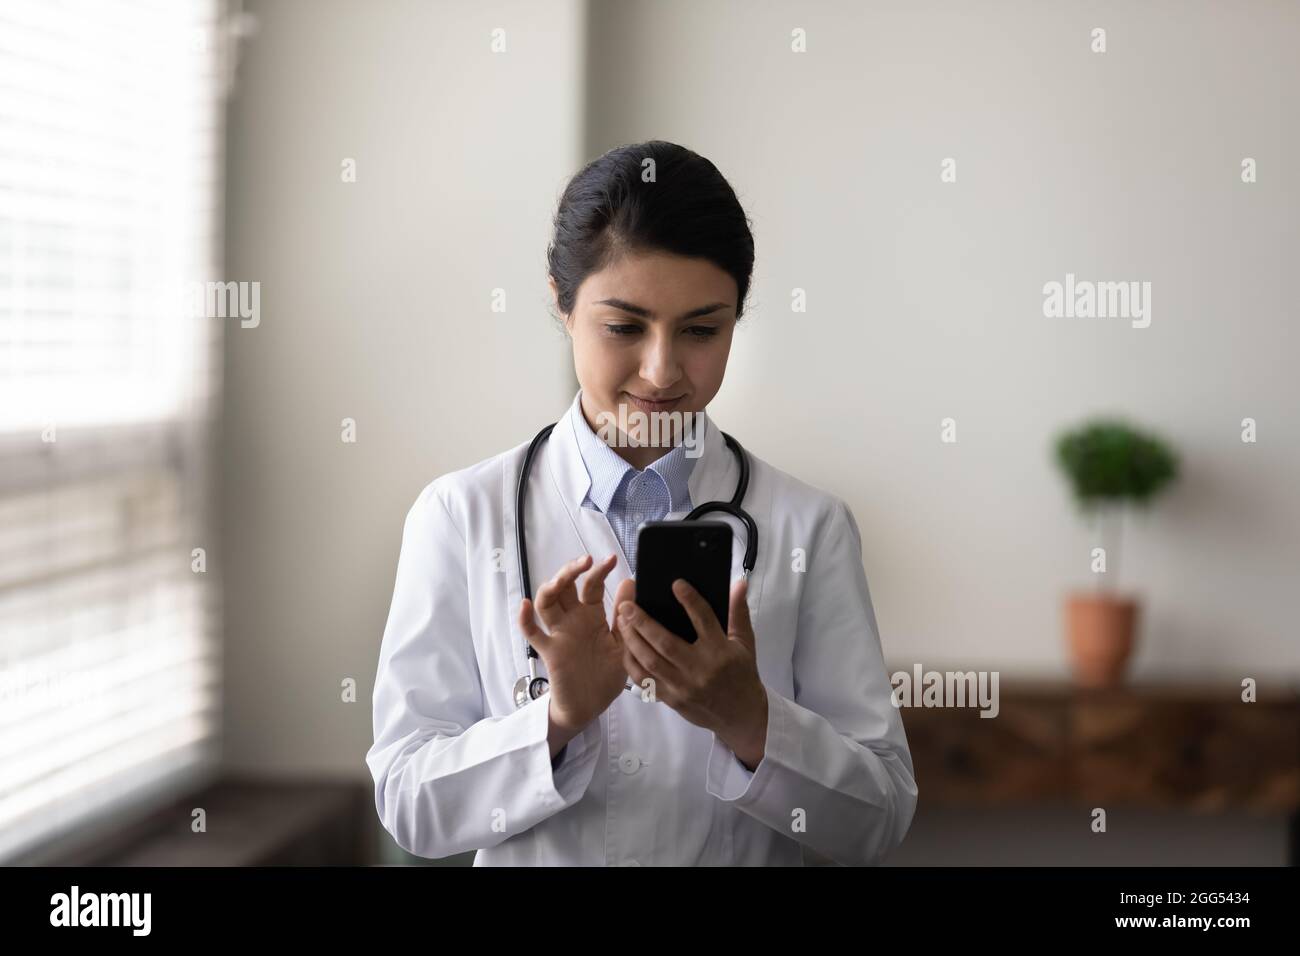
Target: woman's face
651, 326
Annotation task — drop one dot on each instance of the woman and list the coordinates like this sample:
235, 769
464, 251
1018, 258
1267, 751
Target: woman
778, 735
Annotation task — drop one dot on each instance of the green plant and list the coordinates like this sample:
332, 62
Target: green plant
1111, 464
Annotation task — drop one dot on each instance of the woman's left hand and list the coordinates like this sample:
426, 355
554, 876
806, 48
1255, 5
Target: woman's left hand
714, 682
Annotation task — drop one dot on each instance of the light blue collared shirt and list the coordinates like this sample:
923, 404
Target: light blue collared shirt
626, 496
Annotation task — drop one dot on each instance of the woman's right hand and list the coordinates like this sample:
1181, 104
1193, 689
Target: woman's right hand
583, 657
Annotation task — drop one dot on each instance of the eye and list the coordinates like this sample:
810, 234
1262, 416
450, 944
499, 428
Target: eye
695, 331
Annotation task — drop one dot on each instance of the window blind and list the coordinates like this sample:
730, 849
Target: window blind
110, 193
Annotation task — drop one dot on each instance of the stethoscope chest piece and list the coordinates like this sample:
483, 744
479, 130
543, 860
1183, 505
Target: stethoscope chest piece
530, 688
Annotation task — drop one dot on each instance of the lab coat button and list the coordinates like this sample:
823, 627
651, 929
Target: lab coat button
629, 763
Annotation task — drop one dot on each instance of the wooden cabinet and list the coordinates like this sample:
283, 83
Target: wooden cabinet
1196, 747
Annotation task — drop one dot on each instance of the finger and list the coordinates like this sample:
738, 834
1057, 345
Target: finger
592, 590
528, 624
658, 688
644, 681
564, 580
626, 593
699, 611
739, 626
558, 593
667, 645
656, 664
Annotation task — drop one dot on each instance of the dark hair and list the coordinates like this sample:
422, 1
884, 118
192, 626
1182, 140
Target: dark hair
607, 211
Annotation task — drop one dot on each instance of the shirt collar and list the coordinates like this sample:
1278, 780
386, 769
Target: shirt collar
606, 467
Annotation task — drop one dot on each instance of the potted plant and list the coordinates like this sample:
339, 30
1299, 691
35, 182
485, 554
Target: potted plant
1111, 466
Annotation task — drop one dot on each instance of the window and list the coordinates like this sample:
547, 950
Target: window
110, 189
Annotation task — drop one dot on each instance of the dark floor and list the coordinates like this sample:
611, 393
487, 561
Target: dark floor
1062, 836
1058, 836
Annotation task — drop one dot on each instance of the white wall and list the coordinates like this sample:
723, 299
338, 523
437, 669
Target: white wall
375, 306
925, 299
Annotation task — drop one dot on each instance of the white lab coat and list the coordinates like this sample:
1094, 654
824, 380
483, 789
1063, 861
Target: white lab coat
457, 767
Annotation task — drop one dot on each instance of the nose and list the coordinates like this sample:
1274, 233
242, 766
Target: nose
659, 364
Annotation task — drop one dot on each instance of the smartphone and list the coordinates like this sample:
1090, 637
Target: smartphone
700, 552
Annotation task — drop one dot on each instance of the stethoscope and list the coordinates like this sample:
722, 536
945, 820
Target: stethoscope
531, 687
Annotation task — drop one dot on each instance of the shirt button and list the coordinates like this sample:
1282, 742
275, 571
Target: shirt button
629, 763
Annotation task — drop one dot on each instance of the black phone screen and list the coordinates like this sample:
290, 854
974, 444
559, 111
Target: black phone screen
700, 552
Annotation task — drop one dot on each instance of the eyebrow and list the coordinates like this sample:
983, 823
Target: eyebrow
645, 313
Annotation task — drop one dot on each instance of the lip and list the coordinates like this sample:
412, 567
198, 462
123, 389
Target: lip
647, 406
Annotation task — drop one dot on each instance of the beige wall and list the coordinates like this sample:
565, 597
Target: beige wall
925, 299
924, 302
375, 303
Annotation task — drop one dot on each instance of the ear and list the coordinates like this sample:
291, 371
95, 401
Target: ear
555, 297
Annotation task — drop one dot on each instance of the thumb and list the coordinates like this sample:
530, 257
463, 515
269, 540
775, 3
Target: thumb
739, 626
626, 592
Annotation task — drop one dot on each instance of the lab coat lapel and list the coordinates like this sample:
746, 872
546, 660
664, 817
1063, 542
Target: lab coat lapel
551, 525
572, 530
715, 473
714, 479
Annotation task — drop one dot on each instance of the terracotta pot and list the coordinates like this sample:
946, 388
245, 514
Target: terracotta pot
1101, 630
